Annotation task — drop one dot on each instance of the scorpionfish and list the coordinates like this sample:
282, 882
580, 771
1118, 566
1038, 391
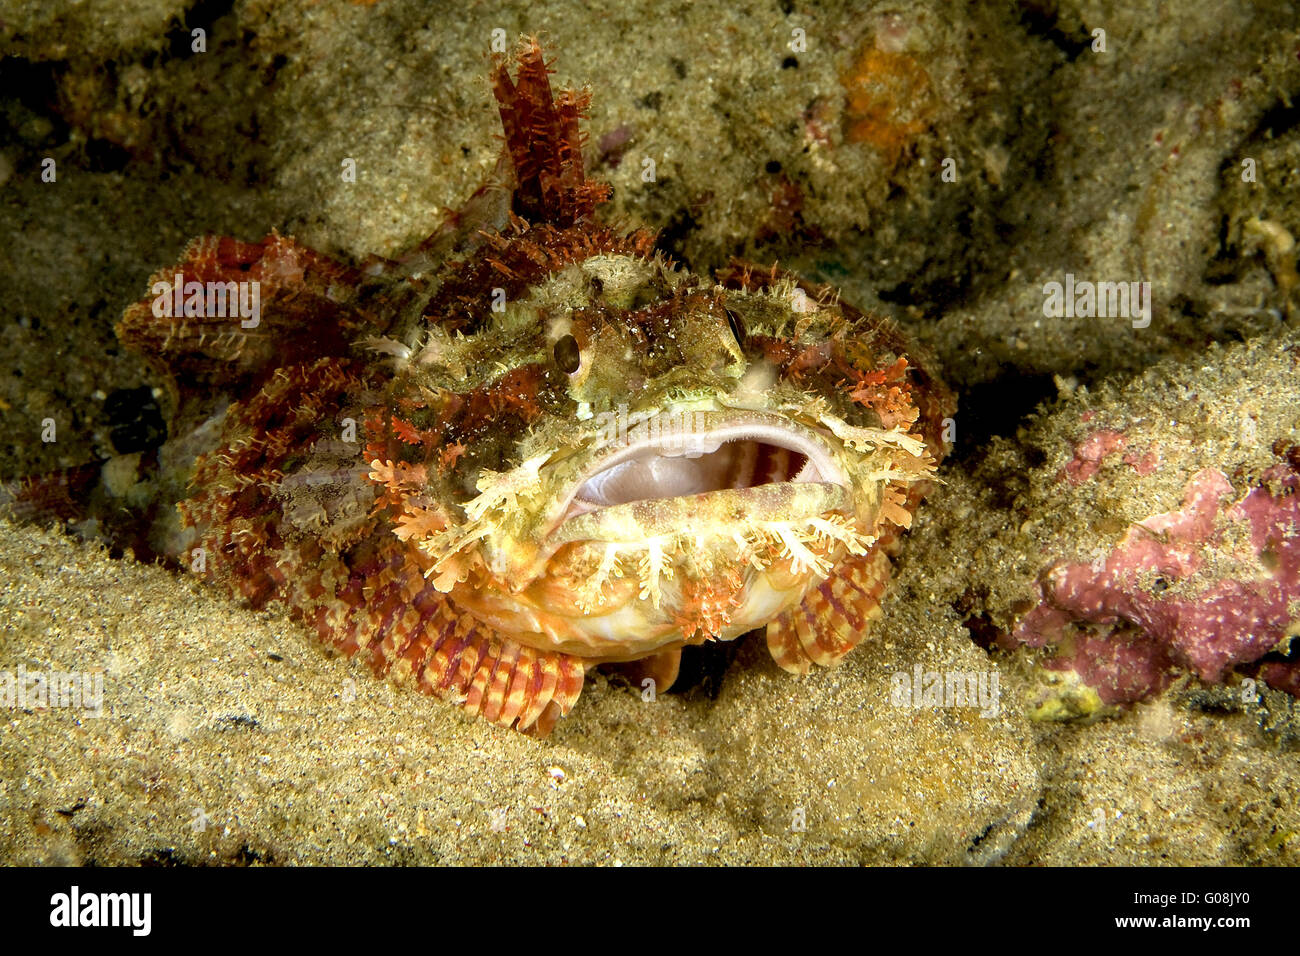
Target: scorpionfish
533, 444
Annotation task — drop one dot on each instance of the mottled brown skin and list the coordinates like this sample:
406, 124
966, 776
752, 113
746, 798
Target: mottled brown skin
404, 465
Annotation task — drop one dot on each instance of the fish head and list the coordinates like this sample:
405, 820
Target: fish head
627, 457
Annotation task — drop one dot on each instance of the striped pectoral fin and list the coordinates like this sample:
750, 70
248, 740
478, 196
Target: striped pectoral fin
386, 614
833, 616
459, 658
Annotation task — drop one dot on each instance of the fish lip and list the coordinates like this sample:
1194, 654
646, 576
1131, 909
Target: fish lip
721, 426
706, 515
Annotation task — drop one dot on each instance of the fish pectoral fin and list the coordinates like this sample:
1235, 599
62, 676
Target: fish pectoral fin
462, 659
833, 617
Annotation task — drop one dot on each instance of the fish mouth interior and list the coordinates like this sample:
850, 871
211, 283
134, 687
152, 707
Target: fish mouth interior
727, 457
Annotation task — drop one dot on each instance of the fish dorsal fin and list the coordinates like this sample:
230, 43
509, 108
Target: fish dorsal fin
543, 139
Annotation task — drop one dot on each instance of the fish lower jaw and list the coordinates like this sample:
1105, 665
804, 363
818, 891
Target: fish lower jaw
714, 514
705, 568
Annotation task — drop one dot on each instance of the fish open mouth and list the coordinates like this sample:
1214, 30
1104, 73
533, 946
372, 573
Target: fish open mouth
750, 453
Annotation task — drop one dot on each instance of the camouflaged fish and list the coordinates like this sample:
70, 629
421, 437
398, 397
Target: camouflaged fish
530, 446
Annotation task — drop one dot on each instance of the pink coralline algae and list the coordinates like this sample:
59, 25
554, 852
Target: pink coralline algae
1208, 589
1093, 450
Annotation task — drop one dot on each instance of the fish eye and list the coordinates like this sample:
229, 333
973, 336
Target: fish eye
737, 327
567, 355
